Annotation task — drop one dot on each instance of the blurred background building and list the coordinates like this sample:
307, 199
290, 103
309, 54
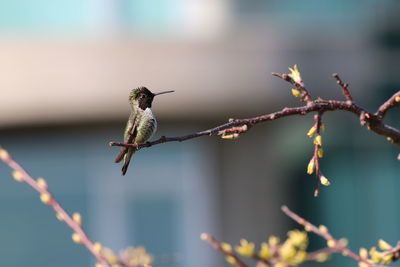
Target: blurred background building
67, 67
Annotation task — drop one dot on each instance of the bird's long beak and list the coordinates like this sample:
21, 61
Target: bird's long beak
164, 92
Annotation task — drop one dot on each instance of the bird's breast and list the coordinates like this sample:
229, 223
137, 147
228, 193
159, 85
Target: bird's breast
147, 126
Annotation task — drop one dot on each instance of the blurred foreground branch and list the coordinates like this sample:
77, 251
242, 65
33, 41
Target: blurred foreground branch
130, 257
364, 258
293, 251
74, 222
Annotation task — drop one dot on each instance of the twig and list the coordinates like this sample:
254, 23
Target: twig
234, 132
228, 253
344, 86
46, 197
332, 242
390, 103
306, 97
317, 147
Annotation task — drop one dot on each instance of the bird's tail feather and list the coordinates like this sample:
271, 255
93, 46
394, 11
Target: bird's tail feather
121, 154
127, 159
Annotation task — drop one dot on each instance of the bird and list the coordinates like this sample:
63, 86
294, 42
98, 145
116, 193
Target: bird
141, 125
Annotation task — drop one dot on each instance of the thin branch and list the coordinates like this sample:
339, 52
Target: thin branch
324, 233
234, 132
306, 96
344, 86
393, 101
46, 197
228, 253
317, 148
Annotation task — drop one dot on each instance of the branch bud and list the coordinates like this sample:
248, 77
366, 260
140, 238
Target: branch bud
246, 248
41, 183
311, 166
363, 253
273, 240
76, 238
59, 216
77, 218
230, 136
295, 74
331, 243
4, 154
296, 93
320, 152
318, 140
45, 198
312, 131
323, 228
204, 236
18, 176
226, 247
324, 181
384, 245
231, 260
97, 247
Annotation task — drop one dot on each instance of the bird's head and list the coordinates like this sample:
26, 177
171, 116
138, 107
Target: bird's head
143, 97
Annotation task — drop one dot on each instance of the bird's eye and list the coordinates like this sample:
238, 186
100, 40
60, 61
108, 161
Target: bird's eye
142, 96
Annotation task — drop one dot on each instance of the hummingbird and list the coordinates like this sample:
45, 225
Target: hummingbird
141, 124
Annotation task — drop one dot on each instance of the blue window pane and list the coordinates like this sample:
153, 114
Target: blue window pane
42, 15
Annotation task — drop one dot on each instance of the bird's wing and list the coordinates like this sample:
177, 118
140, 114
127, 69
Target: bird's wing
129, 136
